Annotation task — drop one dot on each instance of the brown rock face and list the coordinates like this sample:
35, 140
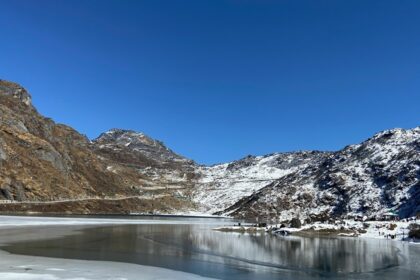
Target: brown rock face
16, 91
44, 161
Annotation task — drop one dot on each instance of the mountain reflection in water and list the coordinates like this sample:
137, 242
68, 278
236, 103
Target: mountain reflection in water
199, 249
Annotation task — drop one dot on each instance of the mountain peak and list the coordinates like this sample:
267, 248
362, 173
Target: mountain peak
136, 143
396, 135
127, 137
16, 91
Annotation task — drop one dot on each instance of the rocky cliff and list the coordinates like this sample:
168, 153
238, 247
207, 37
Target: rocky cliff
49, 167
41, 161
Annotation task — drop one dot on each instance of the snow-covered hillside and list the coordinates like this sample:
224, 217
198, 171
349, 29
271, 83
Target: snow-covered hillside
220, 185
379, 175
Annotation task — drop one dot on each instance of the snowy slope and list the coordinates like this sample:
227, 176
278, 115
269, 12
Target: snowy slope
379, 175
376, 176
220, 185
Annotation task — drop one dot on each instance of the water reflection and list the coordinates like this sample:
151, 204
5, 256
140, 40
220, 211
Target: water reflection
198, 249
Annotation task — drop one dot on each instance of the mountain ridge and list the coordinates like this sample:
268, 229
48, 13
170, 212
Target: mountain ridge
57, 163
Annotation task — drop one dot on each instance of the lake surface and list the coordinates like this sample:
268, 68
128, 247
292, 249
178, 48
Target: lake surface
196, 248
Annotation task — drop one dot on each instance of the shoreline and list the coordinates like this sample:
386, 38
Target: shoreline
393, 230
7, 221
14, 229
113, 215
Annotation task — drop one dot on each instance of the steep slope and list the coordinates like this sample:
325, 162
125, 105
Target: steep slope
379, 175
160, 170
44, 161
148, 156
220, 185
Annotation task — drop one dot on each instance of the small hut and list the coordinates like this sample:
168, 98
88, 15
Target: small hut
390, 216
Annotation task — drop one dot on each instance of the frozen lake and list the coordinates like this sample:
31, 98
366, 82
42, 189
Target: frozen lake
191, 246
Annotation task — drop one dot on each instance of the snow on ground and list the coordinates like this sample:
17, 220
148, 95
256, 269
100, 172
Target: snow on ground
17, 267
14, 267
221, 184
370, 229
22, 221
374, 229
383, 229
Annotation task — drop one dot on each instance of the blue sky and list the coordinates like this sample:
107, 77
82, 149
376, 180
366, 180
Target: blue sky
218, 80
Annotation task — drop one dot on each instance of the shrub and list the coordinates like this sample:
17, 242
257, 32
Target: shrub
295, 223
414, 231
392, 226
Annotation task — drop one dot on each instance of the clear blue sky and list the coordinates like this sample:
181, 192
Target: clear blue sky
218, 80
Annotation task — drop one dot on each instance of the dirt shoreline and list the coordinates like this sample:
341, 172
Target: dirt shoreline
117, 206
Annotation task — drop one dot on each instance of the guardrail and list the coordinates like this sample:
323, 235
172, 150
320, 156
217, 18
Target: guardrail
80, 199
6, 201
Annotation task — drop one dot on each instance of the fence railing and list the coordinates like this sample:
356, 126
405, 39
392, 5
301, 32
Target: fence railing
150, 196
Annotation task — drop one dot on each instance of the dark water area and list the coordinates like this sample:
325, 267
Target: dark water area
196, 248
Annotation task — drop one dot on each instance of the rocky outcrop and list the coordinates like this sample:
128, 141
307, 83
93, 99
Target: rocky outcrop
147, 151
16, 91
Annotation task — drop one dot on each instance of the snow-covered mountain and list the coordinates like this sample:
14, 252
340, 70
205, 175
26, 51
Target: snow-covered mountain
44, 161
218, 186
376, 176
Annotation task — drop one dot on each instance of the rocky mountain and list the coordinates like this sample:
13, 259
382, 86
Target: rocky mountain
376, 176
146, 151
147, 156
218, 186
41, 161
49, 167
